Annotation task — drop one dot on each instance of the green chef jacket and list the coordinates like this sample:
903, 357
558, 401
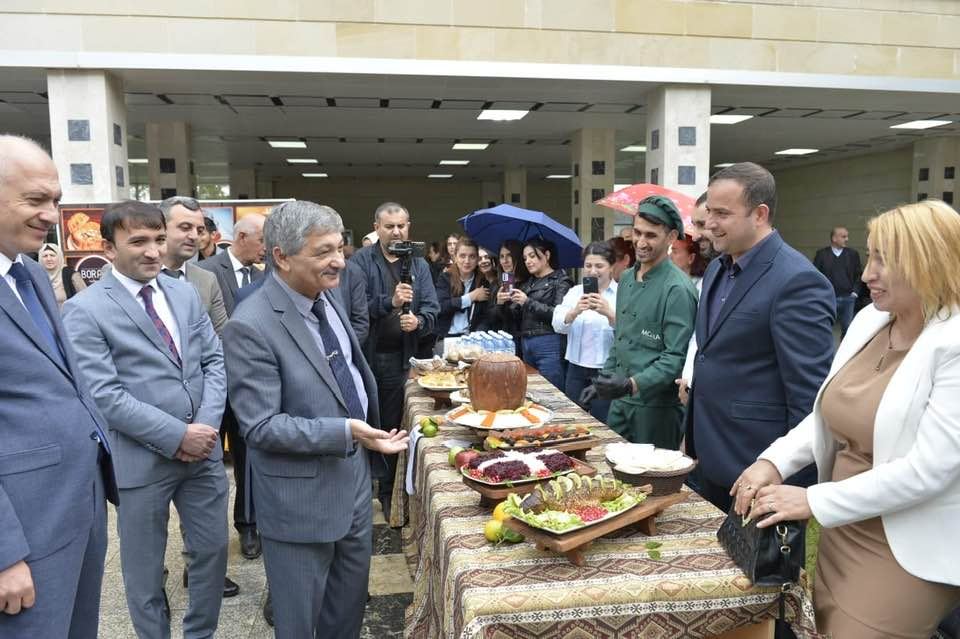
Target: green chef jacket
655, 319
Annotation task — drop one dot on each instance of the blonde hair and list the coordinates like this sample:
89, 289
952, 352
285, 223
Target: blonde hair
921, 243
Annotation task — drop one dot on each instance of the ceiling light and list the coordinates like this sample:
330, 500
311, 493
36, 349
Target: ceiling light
501, 115
287, 144
470, 146
301, 161
634, 148
558, 176
440, 176
321, 175
728, 119
136, 160
921, 124
723, 165
796, 151
454, 162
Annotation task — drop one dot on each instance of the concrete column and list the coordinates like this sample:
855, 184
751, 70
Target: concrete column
593, 152
169, 159
935, 165
491, 194
243, 184
678, 138
515, 186
88, 135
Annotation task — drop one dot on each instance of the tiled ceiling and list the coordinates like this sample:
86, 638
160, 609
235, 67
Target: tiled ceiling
378, 125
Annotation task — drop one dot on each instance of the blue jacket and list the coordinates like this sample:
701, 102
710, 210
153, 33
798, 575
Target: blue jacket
756, 375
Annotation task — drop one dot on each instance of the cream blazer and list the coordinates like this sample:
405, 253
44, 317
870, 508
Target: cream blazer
914, 486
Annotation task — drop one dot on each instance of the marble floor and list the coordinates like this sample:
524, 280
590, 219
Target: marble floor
241, 616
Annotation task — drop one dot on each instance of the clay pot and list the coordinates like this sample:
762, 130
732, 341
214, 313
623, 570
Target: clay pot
497, 381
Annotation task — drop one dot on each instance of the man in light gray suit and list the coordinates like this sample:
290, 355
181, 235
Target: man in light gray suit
184, 220
155, 369
54, 470
305, 400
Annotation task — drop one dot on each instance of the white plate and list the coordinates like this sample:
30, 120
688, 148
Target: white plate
458, 397
513, 482
503, 421
587, 524
439, 388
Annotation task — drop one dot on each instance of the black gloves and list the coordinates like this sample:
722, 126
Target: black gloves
606, 386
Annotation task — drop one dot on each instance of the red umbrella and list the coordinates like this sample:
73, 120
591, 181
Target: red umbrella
628, 198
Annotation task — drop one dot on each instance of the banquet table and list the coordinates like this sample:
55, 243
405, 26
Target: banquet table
466, 587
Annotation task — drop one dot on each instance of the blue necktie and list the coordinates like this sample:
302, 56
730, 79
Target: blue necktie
30, 300
338, 363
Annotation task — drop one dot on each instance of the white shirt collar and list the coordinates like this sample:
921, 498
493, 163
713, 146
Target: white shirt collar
237, 264
6, 263
132, 285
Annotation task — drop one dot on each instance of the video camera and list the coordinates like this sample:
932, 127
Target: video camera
406, 251
406, 248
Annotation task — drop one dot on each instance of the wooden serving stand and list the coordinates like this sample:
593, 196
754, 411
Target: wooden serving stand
492, 495
577, 448
573, 544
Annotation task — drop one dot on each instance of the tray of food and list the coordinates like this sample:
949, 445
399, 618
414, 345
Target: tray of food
573, 502
499, 468
537, 437
443, 380
526, 415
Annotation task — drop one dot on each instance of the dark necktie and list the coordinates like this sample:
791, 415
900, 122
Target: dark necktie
147, 294
175, 274
246, 276
32, 303
338, 363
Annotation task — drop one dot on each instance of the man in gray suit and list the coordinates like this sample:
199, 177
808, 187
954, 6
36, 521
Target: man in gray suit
305, 400
184, 220
54, 473
235, 269
155, 368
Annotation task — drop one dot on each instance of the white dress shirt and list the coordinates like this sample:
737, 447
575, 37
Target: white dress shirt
238, 269
160, 304
5, 265
590, 336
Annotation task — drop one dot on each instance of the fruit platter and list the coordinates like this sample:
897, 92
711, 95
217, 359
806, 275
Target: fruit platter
499, 468
524, 416
566, 514
573, 502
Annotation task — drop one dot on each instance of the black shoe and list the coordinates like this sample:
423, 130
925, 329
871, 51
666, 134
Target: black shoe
250, 542
230, 587
268, 610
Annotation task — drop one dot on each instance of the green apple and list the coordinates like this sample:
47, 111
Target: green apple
452, 456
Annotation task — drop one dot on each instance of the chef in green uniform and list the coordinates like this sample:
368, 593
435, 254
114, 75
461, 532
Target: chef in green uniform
656, 308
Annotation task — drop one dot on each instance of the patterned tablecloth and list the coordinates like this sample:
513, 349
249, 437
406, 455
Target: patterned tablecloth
466, 587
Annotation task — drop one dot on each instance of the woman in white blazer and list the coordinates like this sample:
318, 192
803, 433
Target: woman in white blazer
885, 435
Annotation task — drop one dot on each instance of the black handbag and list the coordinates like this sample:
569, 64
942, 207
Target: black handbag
768, 556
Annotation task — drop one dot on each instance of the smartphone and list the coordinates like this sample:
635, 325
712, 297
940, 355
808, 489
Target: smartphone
590, 285
506, 282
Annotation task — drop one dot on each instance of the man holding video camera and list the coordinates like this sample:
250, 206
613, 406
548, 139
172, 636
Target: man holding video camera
403, 309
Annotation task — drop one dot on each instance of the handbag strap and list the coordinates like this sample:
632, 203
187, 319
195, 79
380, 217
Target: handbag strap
785, 563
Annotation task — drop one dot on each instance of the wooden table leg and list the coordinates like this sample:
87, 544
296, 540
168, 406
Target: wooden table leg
762, 630
648, 526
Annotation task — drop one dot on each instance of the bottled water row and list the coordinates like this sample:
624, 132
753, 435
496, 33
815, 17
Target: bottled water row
489, 341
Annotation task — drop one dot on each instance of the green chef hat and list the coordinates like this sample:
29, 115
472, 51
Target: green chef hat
664, 210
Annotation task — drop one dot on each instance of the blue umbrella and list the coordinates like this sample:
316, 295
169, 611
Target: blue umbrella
490, 228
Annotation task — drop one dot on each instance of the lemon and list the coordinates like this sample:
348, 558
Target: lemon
493, 530
498, 512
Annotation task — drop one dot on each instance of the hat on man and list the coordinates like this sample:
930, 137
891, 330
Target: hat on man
663, 210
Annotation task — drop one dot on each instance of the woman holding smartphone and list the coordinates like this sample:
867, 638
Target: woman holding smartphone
587, 315
463, 294
513, 272
532, 305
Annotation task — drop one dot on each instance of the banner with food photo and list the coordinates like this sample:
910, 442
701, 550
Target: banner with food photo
81, 229
90, 266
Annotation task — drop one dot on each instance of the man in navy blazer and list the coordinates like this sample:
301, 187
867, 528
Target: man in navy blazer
54, 472
764, 334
